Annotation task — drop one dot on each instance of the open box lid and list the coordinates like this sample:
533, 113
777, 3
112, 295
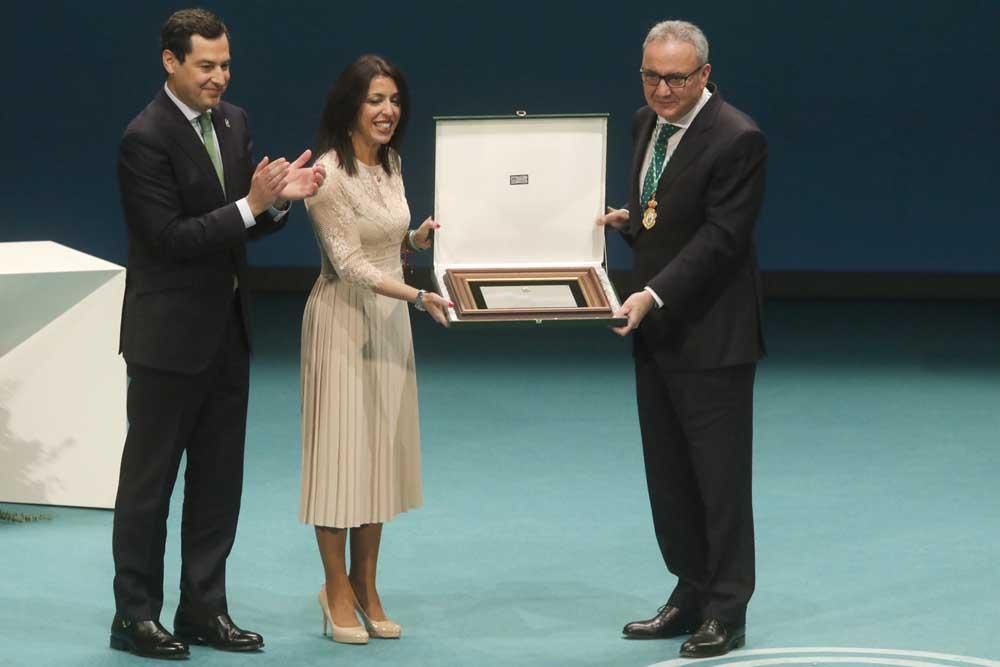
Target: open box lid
515, 191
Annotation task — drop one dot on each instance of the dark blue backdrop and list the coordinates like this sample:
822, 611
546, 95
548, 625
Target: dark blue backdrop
881, 116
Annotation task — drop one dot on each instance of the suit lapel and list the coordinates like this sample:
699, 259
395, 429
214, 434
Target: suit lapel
182, 132
227, 147
691, 144
638, 155
227, 152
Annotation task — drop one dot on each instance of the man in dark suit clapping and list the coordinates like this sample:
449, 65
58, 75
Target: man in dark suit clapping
697, 187
191, 199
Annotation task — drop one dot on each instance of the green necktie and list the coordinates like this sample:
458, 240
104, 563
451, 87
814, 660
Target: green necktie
664, 132
207, 135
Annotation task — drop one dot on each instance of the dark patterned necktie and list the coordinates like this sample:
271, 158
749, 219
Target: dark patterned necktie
663, 132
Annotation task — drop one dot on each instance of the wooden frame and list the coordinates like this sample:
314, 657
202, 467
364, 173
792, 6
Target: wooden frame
466, 289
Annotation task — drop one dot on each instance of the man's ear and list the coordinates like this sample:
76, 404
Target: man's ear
170, 62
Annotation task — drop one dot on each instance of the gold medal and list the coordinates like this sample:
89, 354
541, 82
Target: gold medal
649, 216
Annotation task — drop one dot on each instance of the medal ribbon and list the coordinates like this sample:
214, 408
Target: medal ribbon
663, 133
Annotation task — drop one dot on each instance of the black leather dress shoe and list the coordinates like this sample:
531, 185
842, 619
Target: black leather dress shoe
669, 621
146, 638
713, 638
217, 631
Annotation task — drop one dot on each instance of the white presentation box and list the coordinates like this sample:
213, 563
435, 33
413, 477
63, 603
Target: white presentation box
517, 198
62, 382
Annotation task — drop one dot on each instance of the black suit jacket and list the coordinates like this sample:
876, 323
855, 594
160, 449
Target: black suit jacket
700, 258
186, 238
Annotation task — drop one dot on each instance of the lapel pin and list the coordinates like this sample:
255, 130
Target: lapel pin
227, 123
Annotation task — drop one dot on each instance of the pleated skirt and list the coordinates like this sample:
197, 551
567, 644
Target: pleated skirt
360, 426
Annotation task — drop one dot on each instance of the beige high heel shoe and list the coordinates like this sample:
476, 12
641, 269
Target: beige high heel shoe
350, 635
379, 629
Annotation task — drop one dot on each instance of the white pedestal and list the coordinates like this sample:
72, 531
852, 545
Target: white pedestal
62, 382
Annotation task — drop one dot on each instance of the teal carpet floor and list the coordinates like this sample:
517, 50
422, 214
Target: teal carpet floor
877, 458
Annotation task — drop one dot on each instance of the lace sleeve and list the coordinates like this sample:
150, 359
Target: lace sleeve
335, 221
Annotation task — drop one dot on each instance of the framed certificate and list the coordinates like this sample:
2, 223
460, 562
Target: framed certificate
524, 293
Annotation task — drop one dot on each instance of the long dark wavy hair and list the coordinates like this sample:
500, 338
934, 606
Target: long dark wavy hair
343, 103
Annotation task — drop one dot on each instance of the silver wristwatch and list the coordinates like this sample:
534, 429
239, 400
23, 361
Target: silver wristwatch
418, 303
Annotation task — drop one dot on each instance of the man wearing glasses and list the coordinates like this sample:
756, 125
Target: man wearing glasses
697, 187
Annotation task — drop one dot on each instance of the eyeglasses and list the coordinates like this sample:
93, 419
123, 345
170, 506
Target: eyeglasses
673, 81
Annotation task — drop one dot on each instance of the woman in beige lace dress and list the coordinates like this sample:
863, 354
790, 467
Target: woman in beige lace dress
360, 432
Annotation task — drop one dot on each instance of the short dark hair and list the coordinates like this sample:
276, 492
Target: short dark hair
175, 35
343, 103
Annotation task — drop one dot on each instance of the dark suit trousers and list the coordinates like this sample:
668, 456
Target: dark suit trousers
697, 433
204, 417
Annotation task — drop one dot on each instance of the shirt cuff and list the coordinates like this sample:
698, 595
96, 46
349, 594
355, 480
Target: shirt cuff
656, 298
245, 213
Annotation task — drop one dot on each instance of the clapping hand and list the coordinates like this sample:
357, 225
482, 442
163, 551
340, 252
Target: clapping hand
302, 181
269, 179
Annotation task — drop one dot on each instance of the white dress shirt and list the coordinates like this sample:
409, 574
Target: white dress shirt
683, 123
